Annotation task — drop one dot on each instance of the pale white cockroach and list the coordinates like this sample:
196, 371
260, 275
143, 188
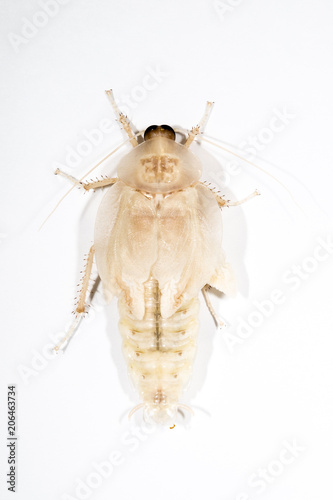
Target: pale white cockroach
157, 244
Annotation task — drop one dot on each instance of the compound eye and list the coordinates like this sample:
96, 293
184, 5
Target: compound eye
159, 130
149, 132
168, 132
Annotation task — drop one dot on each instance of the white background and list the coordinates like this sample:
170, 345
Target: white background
254, 58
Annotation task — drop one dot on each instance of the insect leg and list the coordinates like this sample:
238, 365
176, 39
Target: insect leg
81, 303
218, 320
94, 288
99, 183
227, 203
199, 128
122, 118
74, 180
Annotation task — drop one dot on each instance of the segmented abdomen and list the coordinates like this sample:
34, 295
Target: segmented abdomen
159, 352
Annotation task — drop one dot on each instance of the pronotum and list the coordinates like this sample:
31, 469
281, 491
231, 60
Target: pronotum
157, 244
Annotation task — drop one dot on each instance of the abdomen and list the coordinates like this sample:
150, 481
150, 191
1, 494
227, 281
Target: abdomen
159, 352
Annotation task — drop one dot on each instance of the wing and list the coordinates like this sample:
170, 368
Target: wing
177, 242
126, 244
189, 248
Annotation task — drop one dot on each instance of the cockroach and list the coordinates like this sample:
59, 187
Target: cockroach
157, 244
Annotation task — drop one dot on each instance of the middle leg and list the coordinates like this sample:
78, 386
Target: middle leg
99, 183
227, 203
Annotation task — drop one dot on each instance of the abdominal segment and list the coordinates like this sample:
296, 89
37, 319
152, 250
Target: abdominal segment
159, 351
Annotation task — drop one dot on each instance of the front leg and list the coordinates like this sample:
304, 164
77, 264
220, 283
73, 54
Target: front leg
123, 119
199, 128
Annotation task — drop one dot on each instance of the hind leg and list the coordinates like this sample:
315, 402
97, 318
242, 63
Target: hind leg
81, 304
220, 322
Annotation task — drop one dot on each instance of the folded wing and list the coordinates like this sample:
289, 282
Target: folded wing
176, 240
126, 244
189, 248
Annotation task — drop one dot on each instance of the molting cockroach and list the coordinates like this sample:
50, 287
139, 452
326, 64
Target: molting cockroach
157, 244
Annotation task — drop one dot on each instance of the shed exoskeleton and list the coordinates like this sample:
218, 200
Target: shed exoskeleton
157, 244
